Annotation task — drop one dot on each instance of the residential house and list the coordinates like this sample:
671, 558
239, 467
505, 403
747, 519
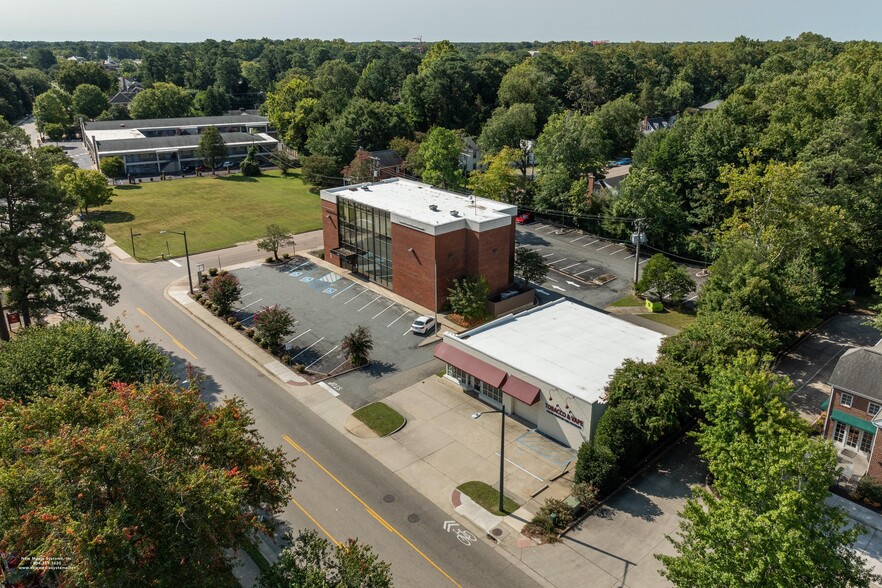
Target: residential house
387, 164
470, 157
853, 417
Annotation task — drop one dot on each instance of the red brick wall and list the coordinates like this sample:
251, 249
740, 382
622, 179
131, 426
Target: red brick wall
413, 274
493, 257
329, 231
858, 408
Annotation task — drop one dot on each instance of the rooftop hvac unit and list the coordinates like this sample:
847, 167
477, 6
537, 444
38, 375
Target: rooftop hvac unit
433, 207
454, 213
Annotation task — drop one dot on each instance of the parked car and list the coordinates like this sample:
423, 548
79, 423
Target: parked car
229, 164
423, 325
624, 161
187, 169
524, 218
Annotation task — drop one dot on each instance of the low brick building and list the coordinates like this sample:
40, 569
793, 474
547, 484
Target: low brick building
853, 416
415, 239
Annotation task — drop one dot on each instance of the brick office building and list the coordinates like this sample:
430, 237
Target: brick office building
853, 413
413, 238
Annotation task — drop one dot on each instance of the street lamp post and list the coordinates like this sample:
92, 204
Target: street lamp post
133, 234
186, 254
501, 411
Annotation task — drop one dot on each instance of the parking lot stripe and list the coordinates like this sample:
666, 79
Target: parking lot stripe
244, 295
605, 246
691, 298
323, 356
382, 311
174, 263
298, 336
569, 266
249, 304
632, 255
398, 319
369, 303
591, 243
343, 290
356, 296
308, 348
619, 251
294, 269
580, 238
584, 271
557, 260
549, 255
644, 261
553, 280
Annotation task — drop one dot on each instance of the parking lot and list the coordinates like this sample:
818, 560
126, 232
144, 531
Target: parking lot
584, 266
328, 307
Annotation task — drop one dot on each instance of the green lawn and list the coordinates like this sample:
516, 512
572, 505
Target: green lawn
380, 418
671, 318
488, 497
216, 212
628, 300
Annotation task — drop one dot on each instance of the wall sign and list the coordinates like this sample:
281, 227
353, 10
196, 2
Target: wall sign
564, 415
13, 318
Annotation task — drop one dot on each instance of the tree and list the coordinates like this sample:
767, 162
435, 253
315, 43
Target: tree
274, 238
440, 152
876, 321
113, 167
250, 167
211, 101
665, 279
134, 480
361, 169
49, 264
525, 83
41, 57
373, 124
312, 561
272, 324
88, 186
619, 122
71, 74
468, 297
357, 345
321, 170
530, 266
597, 465
40, 361
211, 148
163, 100
115, 112
512, 128
15, 97
499, 181
53, 107
224, 291
89, 100
34, 80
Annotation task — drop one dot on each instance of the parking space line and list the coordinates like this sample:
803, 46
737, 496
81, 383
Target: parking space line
552, 279
323, 356
584, 271
343, 290
605, 246
298, 336
644, 261
632, 255
295, 268
308, 348
580, 238
619, 251
244, 295
557, 260
249, 304
356, 296
369, 303
549, 255
398, 319
569, 266
591, 243
382, 311
691, 298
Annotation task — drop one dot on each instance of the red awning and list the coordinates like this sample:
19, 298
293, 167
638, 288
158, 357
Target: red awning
471, 365
523, 391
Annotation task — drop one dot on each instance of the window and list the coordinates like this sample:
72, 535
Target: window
873, 409
839, 433
494, 394
866, 442
846, 399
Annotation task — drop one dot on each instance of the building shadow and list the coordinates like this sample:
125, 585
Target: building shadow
111, 217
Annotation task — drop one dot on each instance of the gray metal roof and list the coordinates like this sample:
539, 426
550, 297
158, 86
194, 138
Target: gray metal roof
387, 158
176, 142
189, 121
859, 371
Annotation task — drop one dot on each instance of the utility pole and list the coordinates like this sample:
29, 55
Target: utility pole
638, 238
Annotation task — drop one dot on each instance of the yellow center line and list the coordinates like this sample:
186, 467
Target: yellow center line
317, 524
371, 511
178, 343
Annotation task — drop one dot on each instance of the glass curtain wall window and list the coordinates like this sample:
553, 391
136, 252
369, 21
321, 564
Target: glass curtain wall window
367, 231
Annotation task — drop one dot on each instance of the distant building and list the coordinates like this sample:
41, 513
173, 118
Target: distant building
548, 365
387, 164
470, 157
415, 239
710, 106
652, 124
165, 145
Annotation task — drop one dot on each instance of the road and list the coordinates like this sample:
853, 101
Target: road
344, 492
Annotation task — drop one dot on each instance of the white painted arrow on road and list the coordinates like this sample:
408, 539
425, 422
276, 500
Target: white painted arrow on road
449, 525
558, 288
573, 284
541, 291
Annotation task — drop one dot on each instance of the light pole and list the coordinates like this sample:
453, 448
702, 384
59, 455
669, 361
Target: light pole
638, 239
186, 254
501, 411
133, 234
435, 324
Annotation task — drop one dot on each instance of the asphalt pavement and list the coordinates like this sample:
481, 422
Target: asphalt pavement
344, 492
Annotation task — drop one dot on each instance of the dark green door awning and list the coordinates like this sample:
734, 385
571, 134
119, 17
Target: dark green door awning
853, 421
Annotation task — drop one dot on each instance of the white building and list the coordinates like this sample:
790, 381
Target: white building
548, 365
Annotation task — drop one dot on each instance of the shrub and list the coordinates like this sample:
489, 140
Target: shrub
300, 368
870, 489
249, 168
617, 431
286, 256
554, 515
212, 271
269, 259
273, 323
231, 320
237, 325
358, 345
197, 296
468, 297
223, 273
224, 291
249, 332
585, 493
597, 465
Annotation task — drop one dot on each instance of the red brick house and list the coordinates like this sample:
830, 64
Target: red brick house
853, 413
416, 239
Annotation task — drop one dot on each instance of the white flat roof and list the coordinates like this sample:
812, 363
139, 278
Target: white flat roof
409, 204
114, 134
568, 346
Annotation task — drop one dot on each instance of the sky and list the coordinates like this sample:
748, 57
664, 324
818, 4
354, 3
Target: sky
433, 20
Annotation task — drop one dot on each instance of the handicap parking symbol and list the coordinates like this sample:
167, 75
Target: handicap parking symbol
306, 279
295, 274
329, 290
